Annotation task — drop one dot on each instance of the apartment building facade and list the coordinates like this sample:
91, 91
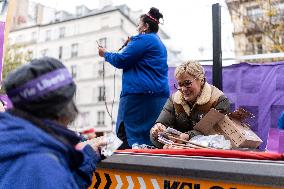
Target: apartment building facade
254, 22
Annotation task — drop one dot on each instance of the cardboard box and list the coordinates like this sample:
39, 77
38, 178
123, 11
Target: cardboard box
235, 130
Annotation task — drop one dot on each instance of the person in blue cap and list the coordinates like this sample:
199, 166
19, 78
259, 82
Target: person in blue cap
37, 149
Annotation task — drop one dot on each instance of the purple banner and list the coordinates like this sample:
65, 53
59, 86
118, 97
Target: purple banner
41, 85
2, 33
259, 88
275, 140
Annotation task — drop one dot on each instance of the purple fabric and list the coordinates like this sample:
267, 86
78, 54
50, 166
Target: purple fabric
275, 140
7, 103
41, 85
259, 88
2, 33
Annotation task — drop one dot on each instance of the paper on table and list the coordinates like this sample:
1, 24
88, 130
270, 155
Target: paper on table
113, 143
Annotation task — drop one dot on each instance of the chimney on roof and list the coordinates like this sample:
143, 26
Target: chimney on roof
82, 10
104, 3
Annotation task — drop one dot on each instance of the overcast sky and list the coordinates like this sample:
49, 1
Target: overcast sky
188, 22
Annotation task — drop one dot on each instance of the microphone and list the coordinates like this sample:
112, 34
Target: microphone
125, 43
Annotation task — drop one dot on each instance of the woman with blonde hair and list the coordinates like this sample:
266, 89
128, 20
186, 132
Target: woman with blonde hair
192, 100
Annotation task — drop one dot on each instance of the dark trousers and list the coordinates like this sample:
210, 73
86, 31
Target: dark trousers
122, 136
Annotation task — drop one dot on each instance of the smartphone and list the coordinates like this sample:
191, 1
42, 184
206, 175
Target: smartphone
98, 44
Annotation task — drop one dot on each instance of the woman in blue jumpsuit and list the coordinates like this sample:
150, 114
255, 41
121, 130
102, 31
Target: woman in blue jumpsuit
145, 86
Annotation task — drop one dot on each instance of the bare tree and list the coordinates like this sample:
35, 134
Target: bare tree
262, 23
14, 57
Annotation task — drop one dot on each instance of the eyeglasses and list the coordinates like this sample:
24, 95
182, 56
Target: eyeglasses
186, 84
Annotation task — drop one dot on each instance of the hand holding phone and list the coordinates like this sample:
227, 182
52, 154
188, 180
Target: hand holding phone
101, 49
98, 44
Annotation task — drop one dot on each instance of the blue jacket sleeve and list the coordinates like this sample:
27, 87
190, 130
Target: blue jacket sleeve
281, 121
46, 170
85, 173
40, 171
133, 52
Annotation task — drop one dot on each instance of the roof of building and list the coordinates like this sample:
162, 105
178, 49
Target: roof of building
121, 8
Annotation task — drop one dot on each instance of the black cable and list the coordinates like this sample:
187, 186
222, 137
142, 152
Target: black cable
104, 95
104, 85
113, 95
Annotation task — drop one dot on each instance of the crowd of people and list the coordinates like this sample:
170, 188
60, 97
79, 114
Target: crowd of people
41, 147
42, 92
